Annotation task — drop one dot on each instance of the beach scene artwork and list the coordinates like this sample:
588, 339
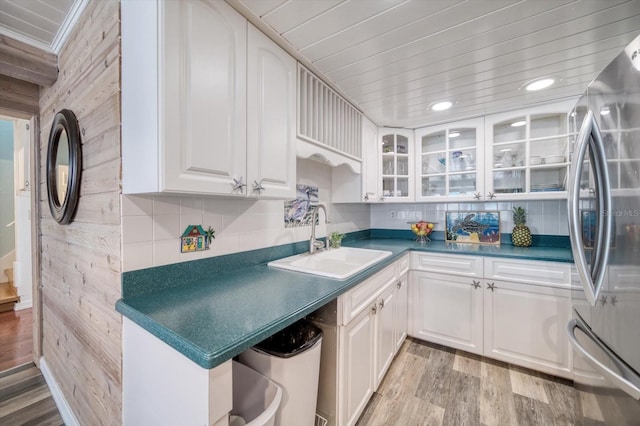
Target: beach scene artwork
481, 227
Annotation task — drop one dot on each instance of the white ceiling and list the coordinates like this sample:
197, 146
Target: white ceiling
40, 23
395, 58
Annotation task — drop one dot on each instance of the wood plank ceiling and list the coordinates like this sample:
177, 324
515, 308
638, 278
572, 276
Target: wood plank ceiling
394, 58
36, 22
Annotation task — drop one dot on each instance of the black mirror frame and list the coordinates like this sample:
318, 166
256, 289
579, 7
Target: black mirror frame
64, 120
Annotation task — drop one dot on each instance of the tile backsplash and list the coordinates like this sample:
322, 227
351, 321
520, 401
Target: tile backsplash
152, 224
547, 217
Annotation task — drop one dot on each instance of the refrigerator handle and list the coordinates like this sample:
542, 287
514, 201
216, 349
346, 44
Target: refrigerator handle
620, 381
592, 283
604, 222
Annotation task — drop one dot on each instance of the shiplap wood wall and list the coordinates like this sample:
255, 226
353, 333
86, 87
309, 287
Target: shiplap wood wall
81, 261
18, 98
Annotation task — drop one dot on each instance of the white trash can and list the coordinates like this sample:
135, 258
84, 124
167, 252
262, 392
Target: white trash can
291, 358
255, 398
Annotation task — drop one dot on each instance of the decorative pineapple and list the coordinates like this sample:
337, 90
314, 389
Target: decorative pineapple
521, 234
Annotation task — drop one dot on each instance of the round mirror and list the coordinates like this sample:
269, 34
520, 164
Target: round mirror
64, 166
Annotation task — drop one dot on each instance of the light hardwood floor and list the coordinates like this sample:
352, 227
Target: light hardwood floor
16, 338
429, 384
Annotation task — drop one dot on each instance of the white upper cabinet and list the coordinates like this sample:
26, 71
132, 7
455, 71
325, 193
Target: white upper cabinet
449, 161
395, 167
185, 103
527, 153
350, 187
271, 118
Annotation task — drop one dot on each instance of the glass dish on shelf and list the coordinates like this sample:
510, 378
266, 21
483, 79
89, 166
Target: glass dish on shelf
549, 187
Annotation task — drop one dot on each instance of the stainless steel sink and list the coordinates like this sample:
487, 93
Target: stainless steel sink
338, 263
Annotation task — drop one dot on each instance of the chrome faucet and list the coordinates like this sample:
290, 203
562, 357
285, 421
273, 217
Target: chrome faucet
315, 245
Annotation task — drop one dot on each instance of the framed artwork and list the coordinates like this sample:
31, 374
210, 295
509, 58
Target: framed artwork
298, 212
482, 227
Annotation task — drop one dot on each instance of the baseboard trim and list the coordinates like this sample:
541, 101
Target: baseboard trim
67, 415
24, 305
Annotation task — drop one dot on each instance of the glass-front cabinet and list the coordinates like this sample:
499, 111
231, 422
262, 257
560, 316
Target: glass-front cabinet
396, 169
449, 161
527, 153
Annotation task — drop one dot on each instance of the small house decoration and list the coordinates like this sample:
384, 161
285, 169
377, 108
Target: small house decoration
193, 239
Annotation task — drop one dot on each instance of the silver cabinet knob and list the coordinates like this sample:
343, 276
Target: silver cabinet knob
477, 196
238, 185
382, 304
374, 309
491, 286
476, 284
399, 284
491, 195
257, 187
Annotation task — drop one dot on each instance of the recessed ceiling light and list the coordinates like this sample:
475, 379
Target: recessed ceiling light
441, 106
518, 123
540, 84
605, 110
454, 134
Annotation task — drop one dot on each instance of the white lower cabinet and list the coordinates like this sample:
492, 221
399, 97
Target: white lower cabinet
401, 311
362, 331
385, 345
447, 309
358, 364
507, 319
526, 325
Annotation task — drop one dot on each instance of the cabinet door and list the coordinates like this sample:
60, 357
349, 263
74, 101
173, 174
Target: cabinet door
357, 363
525, 325
527, 153
271, 118
369, 162
447, 309
348, 186
396, 165
400, 321
450, 162
202, 97
385, 342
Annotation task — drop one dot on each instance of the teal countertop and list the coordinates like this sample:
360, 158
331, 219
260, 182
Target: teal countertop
211, 320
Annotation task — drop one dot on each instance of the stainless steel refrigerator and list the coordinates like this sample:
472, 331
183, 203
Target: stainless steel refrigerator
604, 227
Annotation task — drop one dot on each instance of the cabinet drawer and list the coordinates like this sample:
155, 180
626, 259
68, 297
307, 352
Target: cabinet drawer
403, 264
362, 296
468, 266
528, 271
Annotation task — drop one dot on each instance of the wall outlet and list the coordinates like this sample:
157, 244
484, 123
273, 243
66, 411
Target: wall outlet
393, 215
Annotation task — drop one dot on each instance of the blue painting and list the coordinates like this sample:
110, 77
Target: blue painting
473, 227
298, 212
